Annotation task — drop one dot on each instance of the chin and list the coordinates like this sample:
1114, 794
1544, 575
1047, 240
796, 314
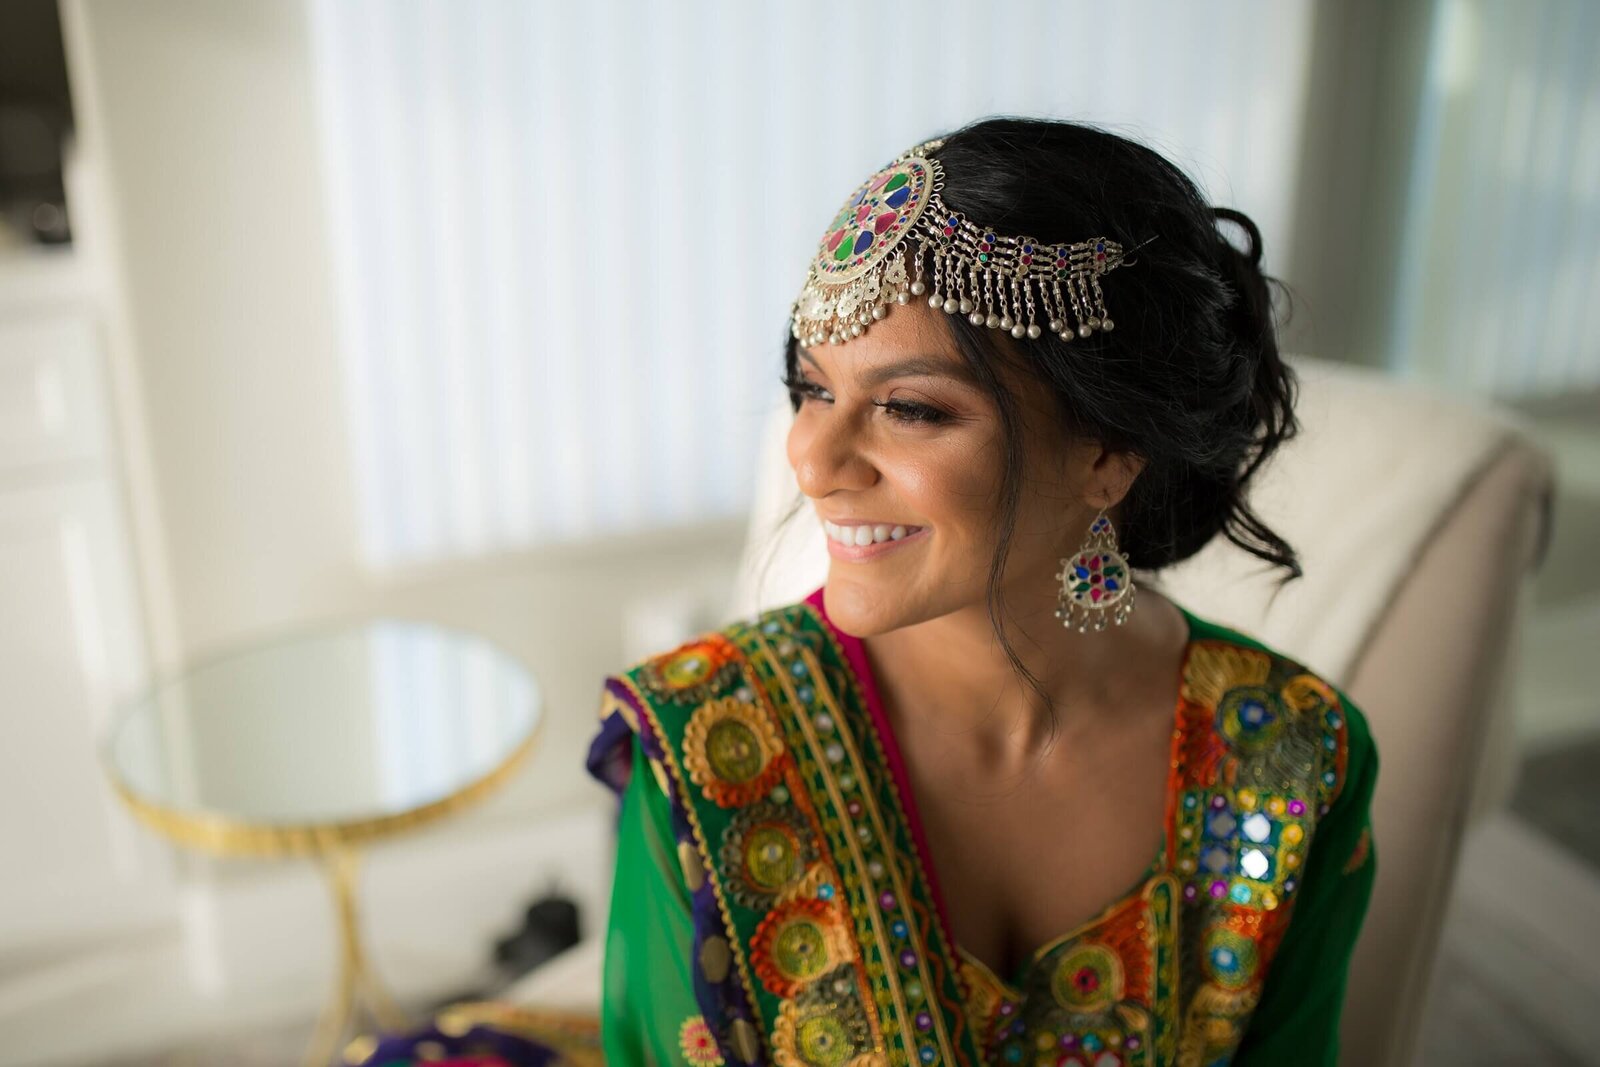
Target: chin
863, 606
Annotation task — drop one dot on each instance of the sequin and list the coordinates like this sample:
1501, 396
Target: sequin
1253, 862
1257, 827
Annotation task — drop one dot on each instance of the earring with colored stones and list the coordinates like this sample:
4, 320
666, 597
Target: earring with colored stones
1095, 582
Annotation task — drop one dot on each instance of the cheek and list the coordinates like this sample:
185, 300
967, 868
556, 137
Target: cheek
953, 484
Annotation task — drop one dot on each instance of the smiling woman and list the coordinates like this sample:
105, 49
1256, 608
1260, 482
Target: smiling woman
964, 804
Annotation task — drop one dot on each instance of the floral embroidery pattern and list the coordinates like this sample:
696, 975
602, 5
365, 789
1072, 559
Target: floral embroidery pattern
1093, 997
766, 851
825, 1025
911, 994
797, 943
732, 751
815, 874
698, 1044
691, 673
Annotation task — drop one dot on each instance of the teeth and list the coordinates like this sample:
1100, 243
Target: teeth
867, 534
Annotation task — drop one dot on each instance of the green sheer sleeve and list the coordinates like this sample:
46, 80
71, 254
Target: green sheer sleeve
1297, 1020
648, 1011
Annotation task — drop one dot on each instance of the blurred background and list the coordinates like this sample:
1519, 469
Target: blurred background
470, 312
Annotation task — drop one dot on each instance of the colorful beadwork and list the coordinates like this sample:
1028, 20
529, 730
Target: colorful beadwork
810, 856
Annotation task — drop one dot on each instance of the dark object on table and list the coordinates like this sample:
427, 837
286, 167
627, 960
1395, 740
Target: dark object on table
549, 928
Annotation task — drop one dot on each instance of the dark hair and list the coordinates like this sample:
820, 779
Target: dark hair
1190, 379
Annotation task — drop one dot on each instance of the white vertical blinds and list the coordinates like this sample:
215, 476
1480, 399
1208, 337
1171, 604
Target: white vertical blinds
1500, 286
568, 234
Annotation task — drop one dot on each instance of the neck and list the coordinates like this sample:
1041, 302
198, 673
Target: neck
953, 672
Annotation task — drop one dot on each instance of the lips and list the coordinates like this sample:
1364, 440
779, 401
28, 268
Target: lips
854, 553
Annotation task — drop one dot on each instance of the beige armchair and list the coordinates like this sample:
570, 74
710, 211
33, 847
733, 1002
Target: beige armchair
1418, 519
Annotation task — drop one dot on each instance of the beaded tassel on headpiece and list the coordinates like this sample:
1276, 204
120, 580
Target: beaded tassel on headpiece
895, 239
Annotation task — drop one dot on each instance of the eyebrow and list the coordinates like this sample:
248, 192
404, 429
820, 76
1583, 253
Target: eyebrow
914, 367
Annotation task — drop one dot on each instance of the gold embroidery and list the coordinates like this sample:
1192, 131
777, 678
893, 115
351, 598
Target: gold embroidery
714, 958
745, 1041
694, 872
1214, 668
1214, 1023
799, 942
825, 1026
610, 702
731, 751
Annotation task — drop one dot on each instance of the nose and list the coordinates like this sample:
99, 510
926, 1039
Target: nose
826, 452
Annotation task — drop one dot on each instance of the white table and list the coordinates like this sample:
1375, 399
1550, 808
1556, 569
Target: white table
315, 745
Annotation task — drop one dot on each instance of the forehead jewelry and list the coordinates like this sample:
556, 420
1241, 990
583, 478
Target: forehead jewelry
895, 239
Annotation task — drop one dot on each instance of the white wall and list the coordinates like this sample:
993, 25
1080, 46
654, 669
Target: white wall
205, 209
202, 120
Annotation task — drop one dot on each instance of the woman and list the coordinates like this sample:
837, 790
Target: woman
915, 817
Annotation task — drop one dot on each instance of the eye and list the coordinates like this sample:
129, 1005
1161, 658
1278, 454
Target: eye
802, 389
909, 411
899, 410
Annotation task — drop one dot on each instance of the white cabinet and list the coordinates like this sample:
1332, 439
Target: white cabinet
73, 868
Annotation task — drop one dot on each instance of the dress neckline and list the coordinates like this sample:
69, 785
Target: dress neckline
855, 653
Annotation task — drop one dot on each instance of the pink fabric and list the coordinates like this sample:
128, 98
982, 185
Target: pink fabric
856, 654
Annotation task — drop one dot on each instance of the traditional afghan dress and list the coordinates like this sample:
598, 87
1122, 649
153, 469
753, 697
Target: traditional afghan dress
774, 902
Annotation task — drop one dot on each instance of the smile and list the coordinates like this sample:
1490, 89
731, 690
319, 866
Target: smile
868, 540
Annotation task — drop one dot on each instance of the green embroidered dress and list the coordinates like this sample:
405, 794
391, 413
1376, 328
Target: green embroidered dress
773, 901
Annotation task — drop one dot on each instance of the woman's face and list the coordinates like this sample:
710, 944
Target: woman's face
893, 436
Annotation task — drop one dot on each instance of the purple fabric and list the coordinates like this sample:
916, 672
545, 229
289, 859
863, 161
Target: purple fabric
482, 1045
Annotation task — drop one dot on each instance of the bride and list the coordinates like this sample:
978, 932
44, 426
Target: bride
964, 803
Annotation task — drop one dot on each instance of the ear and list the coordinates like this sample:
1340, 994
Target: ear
1111, 476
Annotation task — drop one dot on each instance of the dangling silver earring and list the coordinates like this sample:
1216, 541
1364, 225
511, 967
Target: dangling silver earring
1095, 581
